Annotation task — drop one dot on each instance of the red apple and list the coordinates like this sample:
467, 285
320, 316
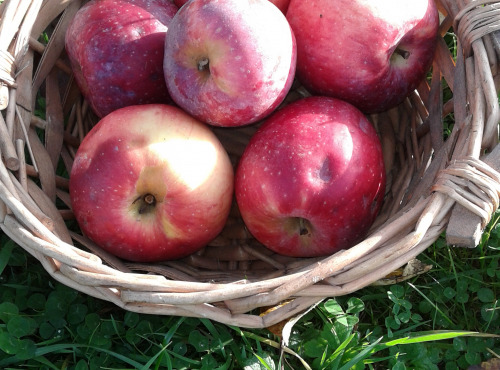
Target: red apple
229, 62
371, 53
311, 180
281, 4
116, 52
151, 183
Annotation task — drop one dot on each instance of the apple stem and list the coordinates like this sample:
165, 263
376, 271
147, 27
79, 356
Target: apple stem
203, 64
147, 202
149, 199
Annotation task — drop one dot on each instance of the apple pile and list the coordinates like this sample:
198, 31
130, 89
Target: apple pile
151, 181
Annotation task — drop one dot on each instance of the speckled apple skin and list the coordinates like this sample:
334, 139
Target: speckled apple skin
252, 56
318, 159
160, 150
116, 48
280, 4
344, 48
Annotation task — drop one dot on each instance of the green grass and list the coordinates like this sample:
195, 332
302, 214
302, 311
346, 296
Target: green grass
447, 318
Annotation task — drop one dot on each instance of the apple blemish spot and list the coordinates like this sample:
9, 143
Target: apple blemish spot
325, 173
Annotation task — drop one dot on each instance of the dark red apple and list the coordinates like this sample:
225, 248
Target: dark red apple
371, 53
116, 52
311, 181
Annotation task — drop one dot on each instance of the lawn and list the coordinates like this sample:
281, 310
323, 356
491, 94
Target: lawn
445, 318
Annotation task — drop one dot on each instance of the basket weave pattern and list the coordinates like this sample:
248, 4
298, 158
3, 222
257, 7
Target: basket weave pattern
429, 178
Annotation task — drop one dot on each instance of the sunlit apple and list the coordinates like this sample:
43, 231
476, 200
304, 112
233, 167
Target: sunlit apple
151, 183
229, 62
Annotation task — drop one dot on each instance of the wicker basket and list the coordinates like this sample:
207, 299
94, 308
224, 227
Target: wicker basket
434, 185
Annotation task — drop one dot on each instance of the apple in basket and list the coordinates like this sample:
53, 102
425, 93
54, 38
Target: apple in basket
229, 62
371, 53
311, 180
150, 183
281, 4
115, 48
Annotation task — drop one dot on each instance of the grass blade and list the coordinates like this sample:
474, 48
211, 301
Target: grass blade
59, 348
362, 355
337, 354
436, 335
272, 343
432, 304
5, 253
263, 362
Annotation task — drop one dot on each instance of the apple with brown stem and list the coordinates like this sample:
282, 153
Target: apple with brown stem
151, 183
229, 62
371, 53
311, 181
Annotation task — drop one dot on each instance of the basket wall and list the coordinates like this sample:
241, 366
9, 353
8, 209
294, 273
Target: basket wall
436, 179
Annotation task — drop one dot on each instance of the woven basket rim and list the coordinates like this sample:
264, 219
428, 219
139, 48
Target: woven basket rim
443, 176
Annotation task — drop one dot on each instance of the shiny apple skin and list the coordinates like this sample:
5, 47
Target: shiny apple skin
116, 49
161, 151
229, 62
280, 4
345, 48
318, 160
